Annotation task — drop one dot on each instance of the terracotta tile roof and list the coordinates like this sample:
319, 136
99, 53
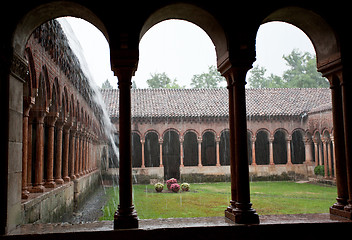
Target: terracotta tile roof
160, 103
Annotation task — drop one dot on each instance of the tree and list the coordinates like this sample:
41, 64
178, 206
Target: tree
106, 85
161, 80
210, 79
302, 73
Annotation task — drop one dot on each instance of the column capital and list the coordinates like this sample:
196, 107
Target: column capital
124, 62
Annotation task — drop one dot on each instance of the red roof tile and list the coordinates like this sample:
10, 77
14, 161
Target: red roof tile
156, 103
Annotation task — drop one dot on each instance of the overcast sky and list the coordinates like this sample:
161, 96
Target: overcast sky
182, 49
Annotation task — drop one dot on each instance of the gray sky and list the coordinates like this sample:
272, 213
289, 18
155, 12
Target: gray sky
182, 49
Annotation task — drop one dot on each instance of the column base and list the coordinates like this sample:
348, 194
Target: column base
341, 213
125, 219
50, 184
242, 214
25, 194
37, 189
59, 181
67, 179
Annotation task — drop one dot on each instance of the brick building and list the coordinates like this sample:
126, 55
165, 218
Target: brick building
184, 132
62, 135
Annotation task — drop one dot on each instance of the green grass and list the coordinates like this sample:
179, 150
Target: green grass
211, 199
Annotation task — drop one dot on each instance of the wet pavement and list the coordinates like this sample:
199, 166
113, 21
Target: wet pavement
151, 224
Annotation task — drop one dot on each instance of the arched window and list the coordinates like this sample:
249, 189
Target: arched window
297, 148
280, 148
225, 148
208, 149
171, 155
136, 150
152, 150
190, 149
262, 148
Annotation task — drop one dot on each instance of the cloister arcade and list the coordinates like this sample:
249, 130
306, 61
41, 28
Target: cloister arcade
232, 28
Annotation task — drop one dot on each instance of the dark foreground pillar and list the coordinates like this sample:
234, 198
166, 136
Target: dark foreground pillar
124, 65
240, 210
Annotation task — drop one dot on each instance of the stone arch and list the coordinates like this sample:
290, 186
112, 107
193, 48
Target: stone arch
224, 147
45, 12
280, 146
262, 147
196, 15
171, 153
136, 149
320, 33
297, 147
32, 80
151, 149
208, 148
190, 148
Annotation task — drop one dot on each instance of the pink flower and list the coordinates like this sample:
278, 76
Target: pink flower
170, 182
175, 187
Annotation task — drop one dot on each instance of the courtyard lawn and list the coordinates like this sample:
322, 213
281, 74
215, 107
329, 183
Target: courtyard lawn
211, 199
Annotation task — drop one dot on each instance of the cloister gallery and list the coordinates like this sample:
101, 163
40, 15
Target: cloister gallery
53, 143
182, 132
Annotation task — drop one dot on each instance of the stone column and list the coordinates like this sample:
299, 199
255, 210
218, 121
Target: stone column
316, 154
77, 151
39, 158
161, 152
271, 150
26, 108
50, 121
72, 155
181, 152
66, 152
254, 163
124, 63
339, 156
329, 157
325, 141
200, 152
58, 156
29, 150
308, 150
243, 211
288, 141
217, 140
143, 158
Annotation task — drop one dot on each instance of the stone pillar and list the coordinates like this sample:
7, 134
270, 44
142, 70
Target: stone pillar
26, 108
72, 155
271, 150
39, 158
254, 163
77, 151
333, 154
325, 141
161, 152
316, 154
143, 158
288, 141
50, 121
339, 156
200, 152
308, 150
124, 63
29, 150
243, 211
58, 157
66, 152
217, 140
181, 152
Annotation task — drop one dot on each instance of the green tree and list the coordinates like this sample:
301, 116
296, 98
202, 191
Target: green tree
302, 73
210, 79
106, 85
161, 80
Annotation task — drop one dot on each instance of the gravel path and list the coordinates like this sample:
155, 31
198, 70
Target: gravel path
92, 210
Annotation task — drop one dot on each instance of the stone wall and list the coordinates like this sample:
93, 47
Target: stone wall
59, 204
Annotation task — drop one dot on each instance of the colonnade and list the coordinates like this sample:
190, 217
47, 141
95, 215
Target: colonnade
55, 150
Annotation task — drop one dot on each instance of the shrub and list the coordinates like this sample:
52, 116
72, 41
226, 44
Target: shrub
159, 187
185, 187
170, 182
175, 187
319, 170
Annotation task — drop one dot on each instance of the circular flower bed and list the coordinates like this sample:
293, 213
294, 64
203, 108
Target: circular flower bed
175, 187
159, 187
185, 187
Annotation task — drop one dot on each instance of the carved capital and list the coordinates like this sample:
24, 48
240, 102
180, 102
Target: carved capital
19, 67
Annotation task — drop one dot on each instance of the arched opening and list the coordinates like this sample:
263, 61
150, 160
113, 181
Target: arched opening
208, 149
262, 148
297, 149
171, 154
224, 148
137, 150
152, 150
190, 148
280, 147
